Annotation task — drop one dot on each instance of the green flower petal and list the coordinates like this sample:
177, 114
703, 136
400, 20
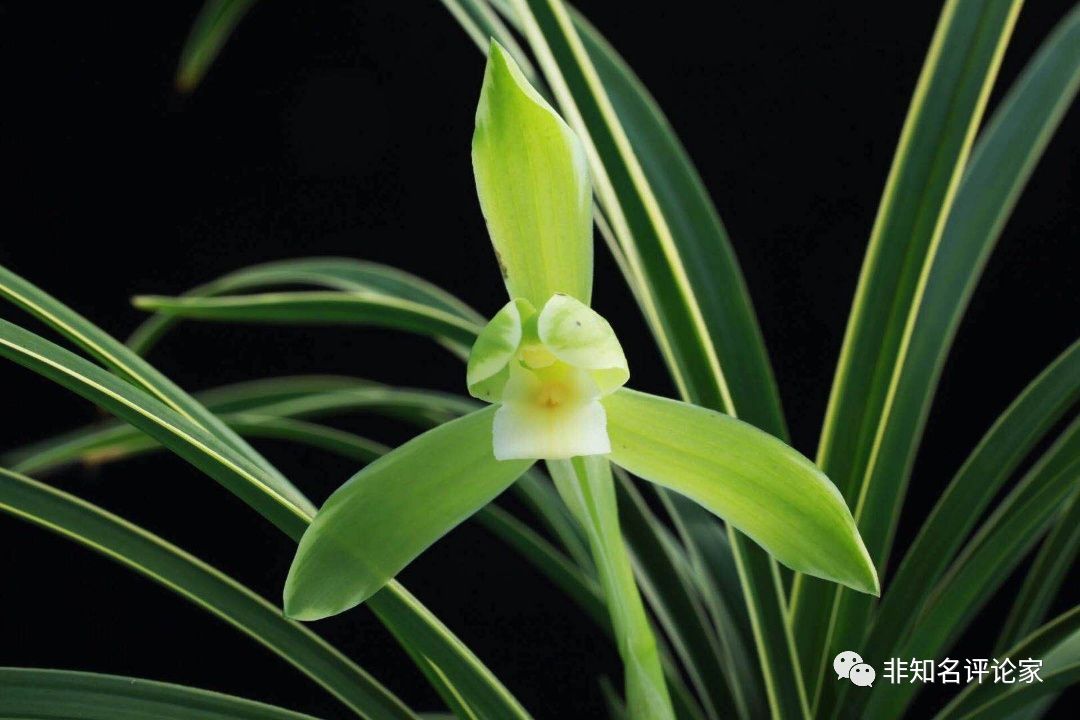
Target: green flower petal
747, 477
493, 350
532, 179
391, 511
579, 336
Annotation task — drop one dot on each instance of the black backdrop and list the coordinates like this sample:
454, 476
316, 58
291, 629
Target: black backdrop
343, 128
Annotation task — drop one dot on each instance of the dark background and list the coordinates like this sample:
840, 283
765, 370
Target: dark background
342, 128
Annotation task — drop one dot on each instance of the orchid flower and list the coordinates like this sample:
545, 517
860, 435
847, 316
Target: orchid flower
553, 372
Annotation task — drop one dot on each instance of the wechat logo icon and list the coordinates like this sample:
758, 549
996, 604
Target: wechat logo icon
850, 665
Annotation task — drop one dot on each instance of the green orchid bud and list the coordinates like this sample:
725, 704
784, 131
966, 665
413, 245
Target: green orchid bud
548, 370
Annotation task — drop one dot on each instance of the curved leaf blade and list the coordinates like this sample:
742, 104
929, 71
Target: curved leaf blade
986, 562
1046, 576
414, 625
1054, 641
871, 430
68, 695
213, 26
747, 477
127, 364
361, 308
202, 585
327, 273
1015, 433
188, 440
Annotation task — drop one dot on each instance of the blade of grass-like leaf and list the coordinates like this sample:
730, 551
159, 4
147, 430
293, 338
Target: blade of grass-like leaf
329, 273
319, 307
415, 626
673, 596
1027, 420
263, 408
712, 566
201, 584
1045, 578
1001, 163
860, 448
1019, 698
1042, 643
668, 298
482, 24
404, 616
188, 440
697, 235
986, 562
127, 364
540, 496
67, 695
587, 486
720, 593
253, 394
101, 442
212, 27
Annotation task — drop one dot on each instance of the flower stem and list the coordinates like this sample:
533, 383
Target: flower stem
586, 486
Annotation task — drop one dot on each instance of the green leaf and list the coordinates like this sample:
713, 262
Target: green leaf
344, 274
985, 563
871, 429
1019, 698
414, 626
66, 695
202, 585
533, 182
391, 511
1001, 163
279, 398
213, 26
482, 24
750, 479
1051, 566
188, 440
114, 355
319, 307
1054, 643
587, 486
712, 565
698, 238
668, 584
1028, 419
